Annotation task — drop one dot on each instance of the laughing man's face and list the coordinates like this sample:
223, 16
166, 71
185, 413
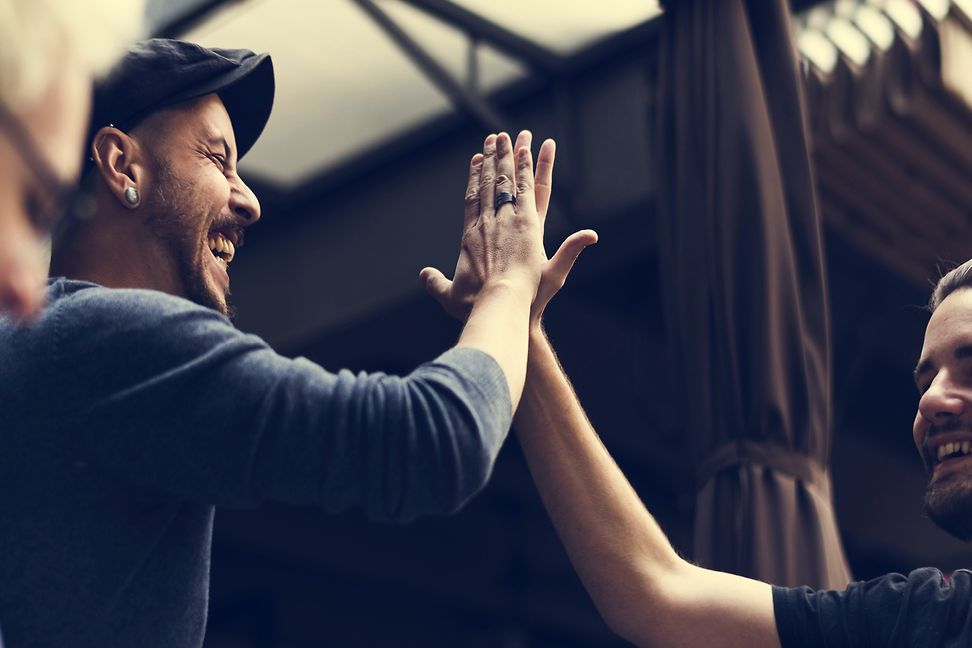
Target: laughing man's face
199, 205
943, 423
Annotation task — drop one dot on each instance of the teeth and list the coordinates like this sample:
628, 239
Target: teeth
953, 447
222, 248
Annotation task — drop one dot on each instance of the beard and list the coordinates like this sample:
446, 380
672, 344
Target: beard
948, 502
178, 217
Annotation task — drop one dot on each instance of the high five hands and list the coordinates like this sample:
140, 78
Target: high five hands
504, 242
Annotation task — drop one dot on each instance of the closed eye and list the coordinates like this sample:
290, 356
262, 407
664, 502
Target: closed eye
219, 160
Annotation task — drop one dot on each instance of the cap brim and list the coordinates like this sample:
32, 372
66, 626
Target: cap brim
247, 93
249, 100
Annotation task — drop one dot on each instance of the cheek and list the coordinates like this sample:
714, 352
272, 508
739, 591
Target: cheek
919, 430
212, 192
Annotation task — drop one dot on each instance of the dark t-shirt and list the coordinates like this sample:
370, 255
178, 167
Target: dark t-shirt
922, 609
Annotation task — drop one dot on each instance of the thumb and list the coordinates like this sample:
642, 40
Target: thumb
563, 260
436, 283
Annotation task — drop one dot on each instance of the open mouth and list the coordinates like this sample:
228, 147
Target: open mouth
952, 450
223, 243
944, 456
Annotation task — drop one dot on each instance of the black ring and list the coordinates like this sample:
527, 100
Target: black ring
502, 198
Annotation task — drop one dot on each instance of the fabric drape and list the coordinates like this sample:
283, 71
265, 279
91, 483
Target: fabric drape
744, 292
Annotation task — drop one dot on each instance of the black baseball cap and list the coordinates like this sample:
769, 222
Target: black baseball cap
161, 72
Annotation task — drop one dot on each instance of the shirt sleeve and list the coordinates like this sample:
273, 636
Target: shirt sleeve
921, 609
171, 397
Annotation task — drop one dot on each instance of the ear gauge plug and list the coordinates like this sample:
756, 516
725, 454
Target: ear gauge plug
132, 197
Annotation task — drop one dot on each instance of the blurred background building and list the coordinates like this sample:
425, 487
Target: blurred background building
361, 171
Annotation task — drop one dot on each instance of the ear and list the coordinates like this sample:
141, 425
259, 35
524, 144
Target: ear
120, 163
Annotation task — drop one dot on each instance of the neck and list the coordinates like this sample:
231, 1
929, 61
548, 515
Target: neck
116, 252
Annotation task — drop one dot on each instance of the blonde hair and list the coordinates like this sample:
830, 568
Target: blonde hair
37, 35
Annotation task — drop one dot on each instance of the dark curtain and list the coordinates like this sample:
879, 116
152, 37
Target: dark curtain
744, 291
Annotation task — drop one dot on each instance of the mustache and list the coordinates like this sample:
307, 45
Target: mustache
949, 425
953, 424
230, 226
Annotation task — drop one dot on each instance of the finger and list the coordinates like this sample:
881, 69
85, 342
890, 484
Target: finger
524, 177
487, 177
472, 192
524, 138
436, 283
505, 170
544, 177
563, 260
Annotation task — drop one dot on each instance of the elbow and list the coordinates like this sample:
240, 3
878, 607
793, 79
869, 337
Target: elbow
447, 481
464, 456
453, 448
474, 471
643, 630
647, 610
626, 622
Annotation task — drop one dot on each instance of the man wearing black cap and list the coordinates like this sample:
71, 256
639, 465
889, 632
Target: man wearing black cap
132, 407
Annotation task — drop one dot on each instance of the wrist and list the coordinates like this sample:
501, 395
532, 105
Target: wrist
517, 286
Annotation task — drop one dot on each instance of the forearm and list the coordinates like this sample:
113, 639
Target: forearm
642, 588
498, 326
616, 546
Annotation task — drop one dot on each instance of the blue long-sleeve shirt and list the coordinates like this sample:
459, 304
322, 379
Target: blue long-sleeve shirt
127, 415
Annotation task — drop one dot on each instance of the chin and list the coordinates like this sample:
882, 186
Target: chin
948, 502
215, 299
200, 290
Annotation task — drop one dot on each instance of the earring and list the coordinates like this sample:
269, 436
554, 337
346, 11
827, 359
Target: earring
132, 197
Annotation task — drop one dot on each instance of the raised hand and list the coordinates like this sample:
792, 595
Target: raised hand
501, 245
458, 296
556, 269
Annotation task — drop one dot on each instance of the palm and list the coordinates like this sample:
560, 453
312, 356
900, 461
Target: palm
555, 270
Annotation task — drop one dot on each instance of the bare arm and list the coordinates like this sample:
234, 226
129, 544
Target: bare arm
642, 588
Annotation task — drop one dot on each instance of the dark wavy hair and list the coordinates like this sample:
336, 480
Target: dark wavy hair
955, 279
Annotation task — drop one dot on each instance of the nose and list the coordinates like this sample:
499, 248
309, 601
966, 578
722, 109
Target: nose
244, 203
941, 401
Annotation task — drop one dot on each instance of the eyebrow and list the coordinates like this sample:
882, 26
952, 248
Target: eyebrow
218, 140
926, 365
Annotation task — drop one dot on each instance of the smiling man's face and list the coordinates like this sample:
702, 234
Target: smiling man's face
943, 423
198, 206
